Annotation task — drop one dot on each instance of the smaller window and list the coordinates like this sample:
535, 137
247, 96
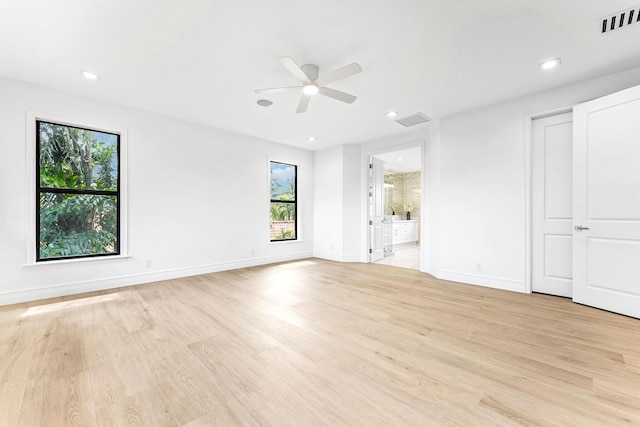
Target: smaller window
283, 200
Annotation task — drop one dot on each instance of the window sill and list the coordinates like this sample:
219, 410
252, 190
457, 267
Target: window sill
96, 260
279, 242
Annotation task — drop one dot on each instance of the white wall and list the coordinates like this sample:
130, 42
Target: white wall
351, 204
431, 188
337, 196
327, 201
482, 184
197, 198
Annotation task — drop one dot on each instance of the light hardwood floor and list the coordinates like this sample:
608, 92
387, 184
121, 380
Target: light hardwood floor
315, 342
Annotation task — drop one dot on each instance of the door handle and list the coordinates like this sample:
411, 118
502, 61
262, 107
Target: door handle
580, 228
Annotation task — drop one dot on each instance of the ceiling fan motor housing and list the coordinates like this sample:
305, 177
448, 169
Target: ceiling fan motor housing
312, 71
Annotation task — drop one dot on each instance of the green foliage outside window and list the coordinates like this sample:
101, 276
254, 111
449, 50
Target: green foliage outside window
77, 191
283, 201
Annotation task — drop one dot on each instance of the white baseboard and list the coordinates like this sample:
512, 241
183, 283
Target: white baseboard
339, 258
327, 255
428, 269
34, 294
479, 280
352, 258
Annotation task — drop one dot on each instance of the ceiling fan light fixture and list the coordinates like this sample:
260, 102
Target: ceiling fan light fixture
310, 89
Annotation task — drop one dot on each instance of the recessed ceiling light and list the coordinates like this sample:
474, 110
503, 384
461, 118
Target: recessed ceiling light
391, 114
89, 75
264, 103
550, 64
310, 89
399, 159
311, 139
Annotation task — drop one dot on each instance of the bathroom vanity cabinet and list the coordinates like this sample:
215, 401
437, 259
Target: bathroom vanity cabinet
405, 231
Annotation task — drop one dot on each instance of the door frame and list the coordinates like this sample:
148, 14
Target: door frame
424, 215
375, 192
528, 183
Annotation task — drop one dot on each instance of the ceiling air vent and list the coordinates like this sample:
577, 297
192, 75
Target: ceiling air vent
621, 19
413, 120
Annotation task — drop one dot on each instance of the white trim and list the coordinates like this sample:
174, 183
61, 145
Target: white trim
527, 158
282, 242
30, 184
327, 255
338, 258
353, 258
59, 262
33, 294
30, 154
429, 269
480, 280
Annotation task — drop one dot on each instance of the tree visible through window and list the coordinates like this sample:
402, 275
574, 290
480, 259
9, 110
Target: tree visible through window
283, 201
77, 190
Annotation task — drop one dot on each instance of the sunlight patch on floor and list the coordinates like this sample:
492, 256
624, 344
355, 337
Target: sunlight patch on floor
285, 314
298, 264
48, 308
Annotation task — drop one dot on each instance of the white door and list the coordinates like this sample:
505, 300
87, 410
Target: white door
552, 205
606, 194
376, 209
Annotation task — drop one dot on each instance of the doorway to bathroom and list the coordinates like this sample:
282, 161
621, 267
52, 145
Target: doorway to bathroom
396, 207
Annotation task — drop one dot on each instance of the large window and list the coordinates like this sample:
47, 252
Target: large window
284, 225
77, 192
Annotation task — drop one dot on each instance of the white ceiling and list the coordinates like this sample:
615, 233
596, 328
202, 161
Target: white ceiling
402, 161
201, 60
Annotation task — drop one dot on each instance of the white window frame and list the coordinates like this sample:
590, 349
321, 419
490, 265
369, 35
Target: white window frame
30, 190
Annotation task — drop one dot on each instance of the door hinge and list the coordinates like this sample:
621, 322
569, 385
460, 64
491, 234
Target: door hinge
370, 222
370, 165
370, 251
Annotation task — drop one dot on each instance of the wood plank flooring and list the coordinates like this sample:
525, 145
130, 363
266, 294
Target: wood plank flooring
316, 343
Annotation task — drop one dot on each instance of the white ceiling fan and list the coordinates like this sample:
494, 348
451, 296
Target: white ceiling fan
312, 84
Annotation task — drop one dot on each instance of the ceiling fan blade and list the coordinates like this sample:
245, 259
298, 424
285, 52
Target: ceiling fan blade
304, 103
336, 94
340, 73
277, 89
293, 68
